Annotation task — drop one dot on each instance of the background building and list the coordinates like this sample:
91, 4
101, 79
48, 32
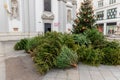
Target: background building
20, 18
108, 15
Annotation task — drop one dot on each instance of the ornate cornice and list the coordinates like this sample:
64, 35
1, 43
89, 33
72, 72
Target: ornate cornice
47, 16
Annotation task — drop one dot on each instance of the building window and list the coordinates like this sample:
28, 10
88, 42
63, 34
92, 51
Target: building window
100, 27
112, 1
111, 28
47, 5
111, 13
100, 3
100, 15
69, 16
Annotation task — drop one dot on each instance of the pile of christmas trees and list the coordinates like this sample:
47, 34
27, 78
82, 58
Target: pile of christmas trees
86, 45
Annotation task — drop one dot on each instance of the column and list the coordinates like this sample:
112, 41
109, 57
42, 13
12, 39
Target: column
105, 29
25, 16
28, 16
62, 15
32, 16
105, 24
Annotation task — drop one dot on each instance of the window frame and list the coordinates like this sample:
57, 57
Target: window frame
100, 3
112, 13
112, 1
100, 15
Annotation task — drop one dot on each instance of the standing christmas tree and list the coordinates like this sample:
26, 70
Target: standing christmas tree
85, 18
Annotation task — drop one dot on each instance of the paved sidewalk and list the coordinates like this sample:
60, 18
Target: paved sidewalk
85, 72
21, 68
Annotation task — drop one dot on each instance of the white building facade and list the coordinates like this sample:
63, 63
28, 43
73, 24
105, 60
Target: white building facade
20, 18
108, 15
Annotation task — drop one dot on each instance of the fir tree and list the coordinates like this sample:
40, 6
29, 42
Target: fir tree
85, 18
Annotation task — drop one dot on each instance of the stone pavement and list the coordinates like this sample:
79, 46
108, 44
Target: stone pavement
85, 72
21, 68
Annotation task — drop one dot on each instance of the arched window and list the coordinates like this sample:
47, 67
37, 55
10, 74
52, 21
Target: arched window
47, 5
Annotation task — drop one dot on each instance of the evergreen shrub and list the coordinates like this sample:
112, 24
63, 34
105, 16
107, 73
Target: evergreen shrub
68, 40
45, 54
97, 39
89, 55
21, 45
81, 39
33, 43
111, 53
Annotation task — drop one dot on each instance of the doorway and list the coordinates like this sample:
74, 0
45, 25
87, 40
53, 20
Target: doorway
47, 27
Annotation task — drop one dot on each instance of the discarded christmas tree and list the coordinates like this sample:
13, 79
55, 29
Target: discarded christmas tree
85, 18
67, 58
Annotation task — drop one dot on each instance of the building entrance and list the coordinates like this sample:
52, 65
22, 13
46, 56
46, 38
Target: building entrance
47, 27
